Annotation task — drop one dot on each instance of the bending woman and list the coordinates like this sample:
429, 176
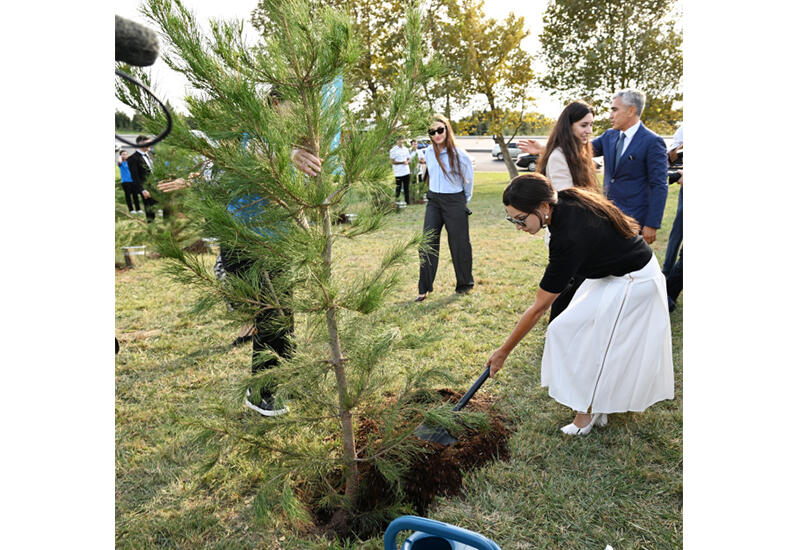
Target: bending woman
610, 351
450, 189
567, 162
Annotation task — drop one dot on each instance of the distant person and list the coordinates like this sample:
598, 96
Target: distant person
128, 185
611, 350
450, 189
567, 162
419, 154
401, 158
141, 166
635, 163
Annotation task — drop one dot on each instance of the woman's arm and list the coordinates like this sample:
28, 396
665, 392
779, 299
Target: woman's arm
542, 303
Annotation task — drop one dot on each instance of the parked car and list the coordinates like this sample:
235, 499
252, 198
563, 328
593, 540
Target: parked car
422, 143
513, 150
528, 161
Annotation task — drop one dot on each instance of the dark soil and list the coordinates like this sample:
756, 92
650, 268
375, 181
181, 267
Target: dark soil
437, 472
197, 247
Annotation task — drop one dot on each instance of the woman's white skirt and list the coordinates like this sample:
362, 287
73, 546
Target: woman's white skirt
611, 349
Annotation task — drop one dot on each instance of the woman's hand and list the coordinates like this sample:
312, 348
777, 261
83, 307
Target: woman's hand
495, 362
307, 163
530, 146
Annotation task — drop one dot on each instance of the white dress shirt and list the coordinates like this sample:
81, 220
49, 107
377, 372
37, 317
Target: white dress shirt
629, 133
448, 183
400, 154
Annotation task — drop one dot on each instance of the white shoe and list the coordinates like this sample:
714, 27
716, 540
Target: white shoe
266, 407
131, 211
601, 419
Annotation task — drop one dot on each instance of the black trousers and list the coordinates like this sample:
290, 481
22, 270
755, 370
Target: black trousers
675, 279
402, 182
450, 211
149, 209
131, 195
267, 335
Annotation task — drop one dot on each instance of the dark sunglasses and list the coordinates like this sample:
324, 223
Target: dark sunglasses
518, 221
439, 130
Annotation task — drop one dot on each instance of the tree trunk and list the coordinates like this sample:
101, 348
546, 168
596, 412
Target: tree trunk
510, 166
345, 414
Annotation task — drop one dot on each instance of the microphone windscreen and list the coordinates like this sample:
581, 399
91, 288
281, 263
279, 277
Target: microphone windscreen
134, 44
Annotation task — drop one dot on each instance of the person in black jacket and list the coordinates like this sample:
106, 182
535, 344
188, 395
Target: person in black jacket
610, 350
141, 166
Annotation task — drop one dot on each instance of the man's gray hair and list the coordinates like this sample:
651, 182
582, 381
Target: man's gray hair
629, 97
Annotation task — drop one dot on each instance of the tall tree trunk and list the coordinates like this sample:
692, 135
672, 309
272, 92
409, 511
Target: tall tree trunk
345, 414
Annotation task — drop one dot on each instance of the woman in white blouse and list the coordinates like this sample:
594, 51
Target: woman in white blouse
567, 157
567, 162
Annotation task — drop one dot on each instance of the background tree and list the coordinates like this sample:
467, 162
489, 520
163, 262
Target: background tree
592, 48
335, 376
528, 123
495, 66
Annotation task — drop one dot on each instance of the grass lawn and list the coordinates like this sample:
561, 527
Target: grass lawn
621, 485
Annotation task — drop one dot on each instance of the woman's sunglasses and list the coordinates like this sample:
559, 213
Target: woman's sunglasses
518, 221
439, 130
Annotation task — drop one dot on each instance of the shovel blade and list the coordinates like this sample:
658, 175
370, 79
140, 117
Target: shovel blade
436, 435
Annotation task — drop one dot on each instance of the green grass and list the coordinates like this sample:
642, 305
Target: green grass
621, 485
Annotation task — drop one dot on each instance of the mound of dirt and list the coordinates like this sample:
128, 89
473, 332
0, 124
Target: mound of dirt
437, 472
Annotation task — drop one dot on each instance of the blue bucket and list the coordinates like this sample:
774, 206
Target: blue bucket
434, 535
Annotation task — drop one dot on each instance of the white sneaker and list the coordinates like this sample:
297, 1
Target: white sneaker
266, 407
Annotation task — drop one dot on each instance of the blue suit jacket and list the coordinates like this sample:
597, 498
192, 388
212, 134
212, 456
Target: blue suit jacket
638, 186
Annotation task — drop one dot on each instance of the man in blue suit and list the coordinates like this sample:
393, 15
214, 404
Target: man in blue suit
635, 161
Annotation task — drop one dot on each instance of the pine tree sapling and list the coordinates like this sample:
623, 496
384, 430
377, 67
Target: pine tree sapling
336, 373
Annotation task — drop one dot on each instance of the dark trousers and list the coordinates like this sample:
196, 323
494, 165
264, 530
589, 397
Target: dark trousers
273, 329
450, 211
675, 281
402, 182
150, 211
563, 299
675, 238
131, 195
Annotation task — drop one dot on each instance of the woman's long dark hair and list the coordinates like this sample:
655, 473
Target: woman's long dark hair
528, 191
578, 155
450, 146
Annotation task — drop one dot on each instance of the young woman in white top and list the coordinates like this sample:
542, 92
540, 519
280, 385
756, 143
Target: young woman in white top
567, 162
450, 189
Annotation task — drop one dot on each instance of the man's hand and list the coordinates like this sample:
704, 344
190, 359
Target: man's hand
531, 146
680, 181
146, 194
648, 234
173, 185
307, 163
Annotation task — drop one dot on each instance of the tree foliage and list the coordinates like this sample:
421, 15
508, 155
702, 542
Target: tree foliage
528, 123
495, 66
592, 48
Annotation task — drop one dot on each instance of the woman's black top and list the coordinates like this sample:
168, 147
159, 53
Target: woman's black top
585, 244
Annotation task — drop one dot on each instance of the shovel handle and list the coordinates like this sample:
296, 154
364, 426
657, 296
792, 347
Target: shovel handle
470, 392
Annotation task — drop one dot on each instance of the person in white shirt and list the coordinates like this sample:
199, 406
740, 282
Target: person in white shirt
418, 154
401, 157
450, 189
